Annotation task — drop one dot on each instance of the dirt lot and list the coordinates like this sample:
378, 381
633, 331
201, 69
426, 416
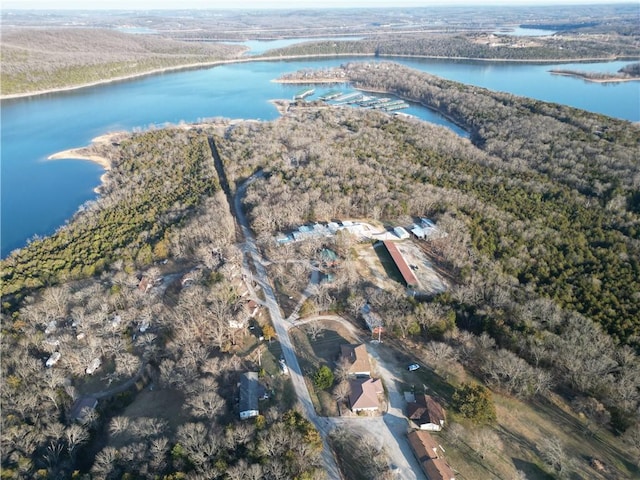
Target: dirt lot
430, 281
370, 267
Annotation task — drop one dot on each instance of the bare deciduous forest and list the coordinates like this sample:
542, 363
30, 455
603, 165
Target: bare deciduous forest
42, 59
126, 333
540, 207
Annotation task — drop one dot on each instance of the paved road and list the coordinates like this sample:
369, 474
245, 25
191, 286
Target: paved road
280, 325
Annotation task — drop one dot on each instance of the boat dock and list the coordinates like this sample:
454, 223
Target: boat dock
384, 104
304, 93
348, 96
331, 95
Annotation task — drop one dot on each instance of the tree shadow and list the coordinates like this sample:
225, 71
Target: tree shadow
326, 346
531, 470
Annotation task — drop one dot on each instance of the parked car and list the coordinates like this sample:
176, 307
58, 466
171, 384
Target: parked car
413, 367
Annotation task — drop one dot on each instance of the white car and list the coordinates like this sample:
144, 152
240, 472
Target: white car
413, 367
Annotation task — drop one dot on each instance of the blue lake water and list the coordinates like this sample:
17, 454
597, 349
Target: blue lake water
257, 47
525, 32
37, 195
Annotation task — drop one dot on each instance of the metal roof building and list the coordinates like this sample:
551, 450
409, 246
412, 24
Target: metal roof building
249, 395
407, 275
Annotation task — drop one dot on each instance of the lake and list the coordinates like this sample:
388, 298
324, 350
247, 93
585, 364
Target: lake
39, 195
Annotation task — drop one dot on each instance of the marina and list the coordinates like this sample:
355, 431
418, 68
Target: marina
39, 196
385, 104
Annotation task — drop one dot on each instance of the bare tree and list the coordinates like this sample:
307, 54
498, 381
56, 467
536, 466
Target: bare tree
554, 455
314, 329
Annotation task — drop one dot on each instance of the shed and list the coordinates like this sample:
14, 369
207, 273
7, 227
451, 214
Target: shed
401, 233
249, 395
93, 366
372, 319
418, 232
53, 359
329, 257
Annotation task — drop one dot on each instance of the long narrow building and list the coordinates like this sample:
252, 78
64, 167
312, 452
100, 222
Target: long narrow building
409, 278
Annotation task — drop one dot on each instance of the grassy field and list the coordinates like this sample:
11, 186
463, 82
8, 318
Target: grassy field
312, 354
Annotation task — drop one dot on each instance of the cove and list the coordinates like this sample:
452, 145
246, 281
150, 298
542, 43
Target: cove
39, 195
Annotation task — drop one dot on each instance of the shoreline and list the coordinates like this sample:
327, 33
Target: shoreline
587, 78
214, 63
82, 153
76, 154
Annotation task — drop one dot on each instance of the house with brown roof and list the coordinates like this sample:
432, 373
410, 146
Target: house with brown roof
426, 449
426, 413
363, 396
357, 358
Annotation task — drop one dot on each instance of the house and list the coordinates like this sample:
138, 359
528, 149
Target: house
357, 358
426, 413
363, 396
249, 395
409, 278
372, 319
241, 319
425, 449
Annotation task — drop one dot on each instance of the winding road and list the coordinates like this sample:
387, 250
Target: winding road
390, 429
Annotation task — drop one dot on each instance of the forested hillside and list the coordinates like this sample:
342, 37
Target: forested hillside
156, 356
35, 59
156, 179
477, 45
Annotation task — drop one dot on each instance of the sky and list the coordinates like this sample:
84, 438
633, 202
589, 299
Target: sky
264, 4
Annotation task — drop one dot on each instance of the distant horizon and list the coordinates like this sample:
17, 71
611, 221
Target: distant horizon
150, 5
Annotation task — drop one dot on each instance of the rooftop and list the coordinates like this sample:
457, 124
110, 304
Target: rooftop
358, 358
408, 276
364, 394
426, 410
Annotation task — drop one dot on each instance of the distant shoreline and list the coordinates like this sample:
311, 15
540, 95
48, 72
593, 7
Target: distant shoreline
585, 76
214, 63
